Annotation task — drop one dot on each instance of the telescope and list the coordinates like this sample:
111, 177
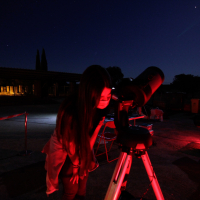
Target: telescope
133, 139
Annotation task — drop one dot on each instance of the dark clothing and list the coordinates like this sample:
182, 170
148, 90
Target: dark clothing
72, 191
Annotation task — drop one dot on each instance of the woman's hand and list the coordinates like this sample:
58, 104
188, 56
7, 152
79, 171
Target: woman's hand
82, 177
75, 176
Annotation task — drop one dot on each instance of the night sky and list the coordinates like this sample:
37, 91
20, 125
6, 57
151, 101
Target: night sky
130, 34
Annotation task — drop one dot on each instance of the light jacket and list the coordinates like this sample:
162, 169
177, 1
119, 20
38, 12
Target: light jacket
55, 158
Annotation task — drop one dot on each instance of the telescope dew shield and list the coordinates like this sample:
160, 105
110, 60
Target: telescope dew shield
142, 88
148, 82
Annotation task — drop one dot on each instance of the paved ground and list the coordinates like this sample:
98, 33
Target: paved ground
175, 156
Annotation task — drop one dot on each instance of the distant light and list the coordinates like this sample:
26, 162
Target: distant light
113, 88
195, 7
131, 79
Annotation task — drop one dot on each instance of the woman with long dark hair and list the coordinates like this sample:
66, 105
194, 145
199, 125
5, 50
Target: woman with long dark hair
70, 149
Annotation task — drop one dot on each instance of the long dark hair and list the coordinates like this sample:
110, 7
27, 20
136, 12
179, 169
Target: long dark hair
80, 120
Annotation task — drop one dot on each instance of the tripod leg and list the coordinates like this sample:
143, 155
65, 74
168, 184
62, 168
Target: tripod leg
114, 191
152, 176
123, 186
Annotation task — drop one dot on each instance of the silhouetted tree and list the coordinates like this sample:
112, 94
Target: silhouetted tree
37, 63
116, 74
43, 61
186, 83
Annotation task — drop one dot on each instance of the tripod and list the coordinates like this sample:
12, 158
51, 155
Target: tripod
119, 179
133, 139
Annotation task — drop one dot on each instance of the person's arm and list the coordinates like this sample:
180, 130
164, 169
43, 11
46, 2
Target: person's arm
94, 136
75, 176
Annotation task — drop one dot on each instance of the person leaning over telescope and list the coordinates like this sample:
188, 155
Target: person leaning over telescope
70, 148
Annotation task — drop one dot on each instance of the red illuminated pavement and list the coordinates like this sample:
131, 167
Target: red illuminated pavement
175, 156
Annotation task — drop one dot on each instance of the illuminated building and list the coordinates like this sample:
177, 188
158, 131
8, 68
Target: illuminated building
26, 82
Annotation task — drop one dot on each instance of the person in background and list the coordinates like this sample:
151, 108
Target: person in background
70, 154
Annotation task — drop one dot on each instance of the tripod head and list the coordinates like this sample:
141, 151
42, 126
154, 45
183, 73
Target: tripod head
129, 95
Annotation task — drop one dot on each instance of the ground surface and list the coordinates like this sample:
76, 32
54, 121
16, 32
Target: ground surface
175, 156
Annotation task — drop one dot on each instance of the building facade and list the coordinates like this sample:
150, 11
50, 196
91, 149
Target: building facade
25, 82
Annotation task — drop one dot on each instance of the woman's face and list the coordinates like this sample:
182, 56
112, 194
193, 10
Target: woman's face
105, 98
